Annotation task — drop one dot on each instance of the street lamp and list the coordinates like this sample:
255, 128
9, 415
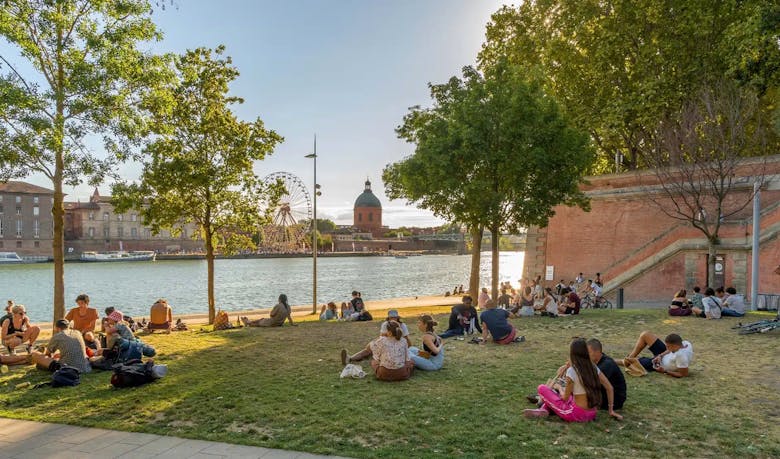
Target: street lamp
314, 231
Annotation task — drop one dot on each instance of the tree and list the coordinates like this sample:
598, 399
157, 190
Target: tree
493, 152
199, 165
618, 68
81, 75
698, 159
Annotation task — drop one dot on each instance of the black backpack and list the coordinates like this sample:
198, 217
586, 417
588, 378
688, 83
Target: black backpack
65, 376
132, 373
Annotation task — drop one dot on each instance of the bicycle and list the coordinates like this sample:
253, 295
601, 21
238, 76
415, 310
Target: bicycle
762, 326
591, 302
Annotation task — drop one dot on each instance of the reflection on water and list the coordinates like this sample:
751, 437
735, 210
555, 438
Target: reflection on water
244, 284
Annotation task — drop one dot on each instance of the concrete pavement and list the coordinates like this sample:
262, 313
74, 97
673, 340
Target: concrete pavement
33, 440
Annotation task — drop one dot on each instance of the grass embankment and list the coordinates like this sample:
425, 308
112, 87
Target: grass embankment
279, 388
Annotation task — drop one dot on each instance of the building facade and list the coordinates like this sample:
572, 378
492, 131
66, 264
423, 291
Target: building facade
26, 224
95, 226
367, 216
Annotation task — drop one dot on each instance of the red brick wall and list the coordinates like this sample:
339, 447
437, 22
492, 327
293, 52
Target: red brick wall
368, 220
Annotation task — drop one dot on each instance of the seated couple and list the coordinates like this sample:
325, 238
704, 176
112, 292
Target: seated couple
672, 356
584, 386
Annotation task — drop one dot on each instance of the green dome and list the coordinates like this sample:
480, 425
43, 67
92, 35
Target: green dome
367, 198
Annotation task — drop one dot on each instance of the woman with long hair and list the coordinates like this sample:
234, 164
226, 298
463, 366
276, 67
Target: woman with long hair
680, 305
279, 314
582, 394
431, 356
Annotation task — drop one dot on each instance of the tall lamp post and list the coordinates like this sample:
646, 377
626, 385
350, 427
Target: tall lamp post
314, 231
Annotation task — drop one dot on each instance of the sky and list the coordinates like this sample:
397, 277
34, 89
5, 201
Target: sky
345, 70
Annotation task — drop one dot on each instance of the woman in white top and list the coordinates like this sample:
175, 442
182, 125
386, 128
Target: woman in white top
582, 396
548, 306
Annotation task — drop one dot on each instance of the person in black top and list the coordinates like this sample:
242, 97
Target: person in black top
503, 300
359, 307
611, 371
463, 319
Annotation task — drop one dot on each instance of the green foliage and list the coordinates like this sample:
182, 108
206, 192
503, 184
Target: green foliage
399, 232
619, 68
76, 73
199, 165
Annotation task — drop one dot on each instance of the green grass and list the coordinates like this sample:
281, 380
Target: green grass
280, 388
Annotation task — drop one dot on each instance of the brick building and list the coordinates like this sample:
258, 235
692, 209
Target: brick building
26, 224
637, 247
94, 226
367, 217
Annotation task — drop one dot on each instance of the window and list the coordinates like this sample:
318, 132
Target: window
133, 217
1, 244
37, 243
35, 199
120, 232
18, 210
18, 199
18, 244
370, 217
183, 233
36, 211
119, 217
1, 227
1, 209
105, 216
134, 232
91, 215
1, 198
360, 217
91, 232
147, 233
36, 229
18, 228
105, 233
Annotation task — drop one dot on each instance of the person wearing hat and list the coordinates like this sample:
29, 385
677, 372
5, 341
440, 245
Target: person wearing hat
70, 346
17, 330
392, 315
117, 328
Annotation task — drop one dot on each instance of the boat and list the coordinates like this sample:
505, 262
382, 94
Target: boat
10, 258
401, 256
120, 255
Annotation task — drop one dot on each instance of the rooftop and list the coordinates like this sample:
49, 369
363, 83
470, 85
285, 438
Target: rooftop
12, 186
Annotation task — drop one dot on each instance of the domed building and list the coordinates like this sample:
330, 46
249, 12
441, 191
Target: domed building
368, 212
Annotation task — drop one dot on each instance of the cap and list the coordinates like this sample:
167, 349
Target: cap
116, 316
63, 324
392, 313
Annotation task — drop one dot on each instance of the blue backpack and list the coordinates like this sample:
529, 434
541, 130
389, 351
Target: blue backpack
65, 376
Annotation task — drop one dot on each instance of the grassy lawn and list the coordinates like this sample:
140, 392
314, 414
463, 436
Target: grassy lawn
280, 388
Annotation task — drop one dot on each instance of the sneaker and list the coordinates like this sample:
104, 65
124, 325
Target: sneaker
532, 398
343, 357
519, 339
536, 413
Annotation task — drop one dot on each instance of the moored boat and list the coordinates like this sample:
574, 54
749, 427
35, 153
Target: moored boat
138, 255
9, 258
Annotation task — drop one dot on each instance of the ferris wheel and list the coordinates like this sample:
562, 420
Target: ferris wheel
287, 230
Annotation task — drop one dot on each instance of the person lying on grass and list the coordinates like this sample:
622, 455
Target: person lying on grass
495, 322
393, 316
431, 357
582, 392
279, 314
389, 355
671, 357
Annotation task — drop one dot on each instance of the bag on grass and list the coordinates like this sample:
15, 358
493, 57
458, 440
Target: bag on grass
222, 321
65, 376
132, 373
634, 368
353, 371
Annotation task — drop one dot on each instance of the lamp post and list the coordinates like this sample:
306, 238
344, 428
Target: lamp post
314, 231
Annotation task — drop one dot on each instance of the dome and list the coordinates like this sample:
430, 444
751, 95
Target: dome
367, 198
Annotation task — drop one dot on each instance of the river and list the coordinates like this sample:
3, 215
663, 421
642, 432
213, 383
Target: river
243, 284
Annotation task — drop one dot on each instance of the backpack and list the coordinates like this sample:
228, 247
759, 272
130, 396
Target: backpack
132, 373
222, 321
65, 376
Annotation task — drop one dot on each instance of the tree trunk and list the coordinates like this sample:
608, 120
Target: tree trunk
476, 250
210, 270
711, 250
58, 240
494, 240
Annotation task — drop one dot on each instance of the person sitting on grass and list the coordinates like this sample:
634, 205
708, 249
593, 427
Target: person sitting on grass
673, 356
70, 346
160, 316
504, 299
84, 319
279, 314
734, 304
680, 305
392, 316
582, 392
17, 330
8, 314
525, 305
463, 319
346, 311
609, 369
117, 328
431, 357
547, 306
495, 322
570, 305
329, 312
711, 305
389, 355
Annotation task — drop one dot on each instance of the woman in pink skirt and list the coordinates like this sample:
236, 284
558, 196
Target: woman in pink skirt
582, 394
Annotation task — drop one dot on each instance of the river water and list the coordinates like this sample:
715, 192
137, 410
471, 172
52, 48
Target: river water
244, 284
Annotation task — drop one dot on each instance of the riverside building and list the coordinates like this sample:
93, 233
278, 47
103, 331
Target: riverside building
26, 224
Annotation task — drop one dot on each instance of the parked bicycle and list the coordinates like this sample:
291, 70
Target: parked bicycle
591, 301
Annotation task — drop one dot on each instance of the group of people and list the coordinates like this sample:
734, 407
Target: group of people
352, 310
75, 341
713, 304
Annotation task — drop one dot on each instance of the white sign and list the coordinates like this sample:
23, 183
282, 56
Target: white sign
549, 274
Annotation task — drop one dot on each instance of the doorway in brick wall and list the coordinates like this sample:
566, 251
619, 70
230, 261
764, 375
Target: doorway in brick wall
720, 271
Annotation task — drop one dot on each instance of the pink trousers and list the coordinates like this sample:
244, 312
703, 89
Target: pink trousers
565, 409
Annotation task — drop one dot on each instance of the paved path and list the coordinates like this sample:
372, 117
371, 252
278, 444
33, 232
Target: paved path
33, 440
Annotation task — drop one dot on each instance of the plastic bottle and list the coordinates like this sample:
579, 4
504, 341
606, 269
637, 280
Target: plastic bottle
23, 385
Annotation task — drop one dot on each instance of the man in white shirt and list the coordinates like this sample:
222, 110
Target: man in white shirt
734, 304
673, 356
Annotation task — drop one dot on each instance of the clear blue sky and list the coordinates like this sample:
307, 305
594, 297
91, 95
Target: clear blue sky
346, 70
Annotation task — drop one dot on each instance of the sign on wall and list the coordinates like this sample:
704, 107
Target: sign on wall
549, 273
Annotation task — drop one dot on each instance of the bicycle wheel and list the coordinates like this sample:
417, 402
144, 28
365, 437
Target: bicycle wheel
606, 304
